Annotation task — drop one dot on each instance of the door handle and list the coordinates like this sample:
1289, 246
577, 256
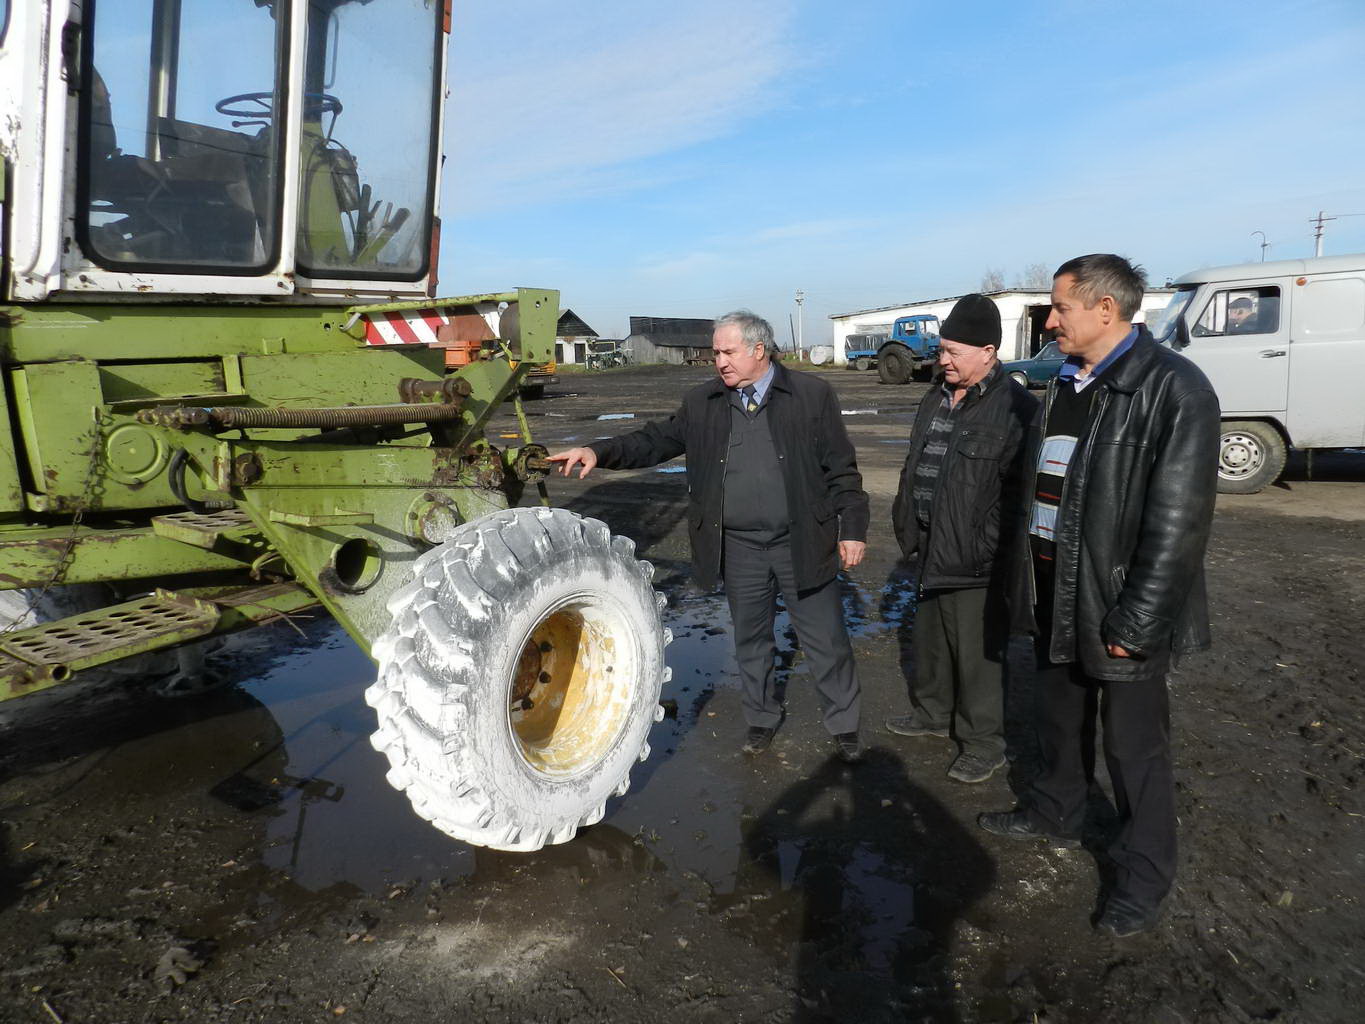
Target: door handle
1272, 353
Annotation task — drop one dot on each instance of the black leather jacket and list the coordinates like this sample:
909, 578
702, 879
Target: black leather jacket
825, 498
977, 499
1133, 521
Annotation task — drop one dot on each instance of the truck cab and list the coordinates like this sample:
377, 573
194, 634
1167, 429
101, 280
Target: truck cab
1283, 344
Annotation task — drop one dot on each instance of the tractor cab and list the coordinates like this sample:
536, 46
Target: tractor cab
224, 147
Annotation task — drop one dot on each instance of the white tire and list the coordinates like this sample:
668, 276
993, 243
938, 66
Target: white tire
519, 677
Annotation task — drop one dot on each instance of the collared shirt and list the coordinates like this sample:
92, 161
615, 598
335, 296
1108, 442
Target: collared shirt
760, 387
936, 443
1072, 366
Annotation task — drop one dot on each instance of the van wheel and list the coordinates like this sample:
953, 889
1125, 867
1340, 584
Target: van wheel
519, 677
1251, 457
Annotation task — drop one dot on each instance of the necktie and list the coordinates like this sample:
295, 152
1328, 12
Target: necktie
750, 400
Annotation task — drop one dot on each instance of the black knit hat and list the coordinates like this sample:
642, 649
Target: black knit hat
975, 320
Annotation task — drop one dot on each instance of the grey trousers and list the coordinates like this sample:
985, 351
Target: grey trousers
754, 576
960, 675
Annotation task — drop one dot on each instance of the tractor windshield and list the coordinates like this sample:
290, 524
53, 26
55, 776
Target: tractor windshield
180, 149
181, 152
369, 137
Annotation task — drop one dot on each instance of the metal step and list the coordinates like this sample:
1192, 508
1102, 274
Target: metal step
204, 530
40, 656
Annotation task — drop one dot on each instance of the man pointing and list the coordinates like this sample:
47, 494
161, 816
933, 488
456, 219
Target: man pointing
775, 505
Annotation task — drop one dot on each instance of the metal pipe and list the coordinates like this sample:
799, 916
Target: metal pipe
184, 417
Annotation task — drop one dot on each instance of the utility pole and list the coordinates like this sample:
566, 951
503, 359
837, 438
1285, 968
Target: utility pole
1264, 244
1319, 220
800, 325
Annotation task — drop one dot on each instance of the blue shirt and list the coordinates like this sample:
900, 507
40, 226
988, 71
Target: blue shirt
1067, 373
760, 386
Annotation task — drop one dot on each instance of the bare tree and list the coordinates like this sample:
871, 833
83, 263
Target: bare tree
1035, 275
992, 280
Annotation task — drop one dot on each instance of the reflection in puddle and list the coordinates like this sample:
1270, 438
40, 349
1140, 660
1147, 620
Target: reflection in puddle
857, 873
327, 789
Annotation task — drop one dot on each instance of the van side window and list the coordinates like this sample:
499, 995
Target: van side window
1240, 311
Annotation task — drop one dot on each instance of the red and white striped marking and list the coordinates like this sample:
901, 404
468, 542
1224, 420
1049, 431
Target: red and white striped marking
415, 326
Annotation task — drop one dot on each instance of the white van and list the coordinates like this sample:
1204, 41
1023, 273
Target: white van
1284, 345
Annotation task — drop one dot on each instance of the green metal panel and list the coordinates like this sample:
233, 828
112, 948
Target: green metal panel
126, 382
160, 331
11, 491
366, 376
56, 415
345, 519
31, 556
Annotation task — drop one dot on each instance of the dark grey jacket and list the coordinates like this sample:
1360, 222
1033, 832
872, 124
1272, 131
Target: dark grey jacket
825, 498
977, 499
1133, 521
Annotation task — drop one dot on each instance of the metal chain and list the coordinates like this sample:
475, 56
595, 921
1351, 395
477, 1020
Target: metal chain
68, 549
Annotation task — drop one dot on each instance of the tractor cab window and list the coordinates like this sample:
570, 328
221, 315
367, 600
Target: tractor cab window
179, 156
368, 138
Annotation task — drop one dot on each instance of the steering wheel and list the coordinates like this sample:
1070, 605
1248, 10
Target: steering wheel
314, 103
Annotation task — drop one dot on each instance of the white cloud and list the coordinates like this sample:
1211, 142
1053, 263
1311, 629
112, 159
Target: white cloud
536, 116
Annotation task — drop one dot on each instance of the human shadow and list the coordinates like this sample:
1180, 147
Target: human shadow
882, 873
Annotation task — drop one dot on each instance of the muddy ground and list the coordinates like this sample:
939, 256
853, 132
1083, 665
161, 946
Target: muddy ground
239, 857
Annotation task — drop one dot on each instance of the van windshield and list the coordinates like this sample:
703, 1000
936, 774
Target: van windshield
1162, 324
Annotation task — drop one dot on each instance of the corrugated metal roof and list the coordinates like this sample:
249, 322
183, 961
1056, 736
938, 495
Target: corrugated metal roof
669, 325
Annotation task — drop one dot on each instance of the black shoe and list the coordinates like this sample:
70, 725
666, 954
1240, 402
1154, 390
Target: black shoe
1122, 918
850, 747
913, 725
760, 738
1017, 824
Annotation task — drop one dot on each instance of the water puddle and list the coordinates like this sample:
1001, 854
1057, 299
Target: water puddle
794, 852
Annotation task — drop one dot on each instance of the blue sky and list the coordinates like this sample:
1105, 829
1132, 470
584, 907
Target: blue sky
684, 159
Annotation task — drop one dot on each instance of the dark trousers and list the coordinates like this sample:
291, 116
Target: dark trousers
754, 575
1137, 751
959, 675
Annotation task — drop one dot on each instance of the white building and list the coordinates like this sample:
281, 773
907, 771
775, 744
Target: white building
1022, 315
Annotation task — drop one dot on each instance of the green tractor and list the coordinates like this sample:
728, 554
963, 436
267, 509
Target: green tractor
226, 389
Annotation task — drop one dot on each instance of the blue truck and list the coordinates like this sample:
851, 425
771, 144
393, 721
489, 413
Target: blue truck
909, 351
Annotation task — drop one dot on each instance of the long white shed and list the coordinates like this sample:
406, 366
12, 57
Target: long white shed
1023, 312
